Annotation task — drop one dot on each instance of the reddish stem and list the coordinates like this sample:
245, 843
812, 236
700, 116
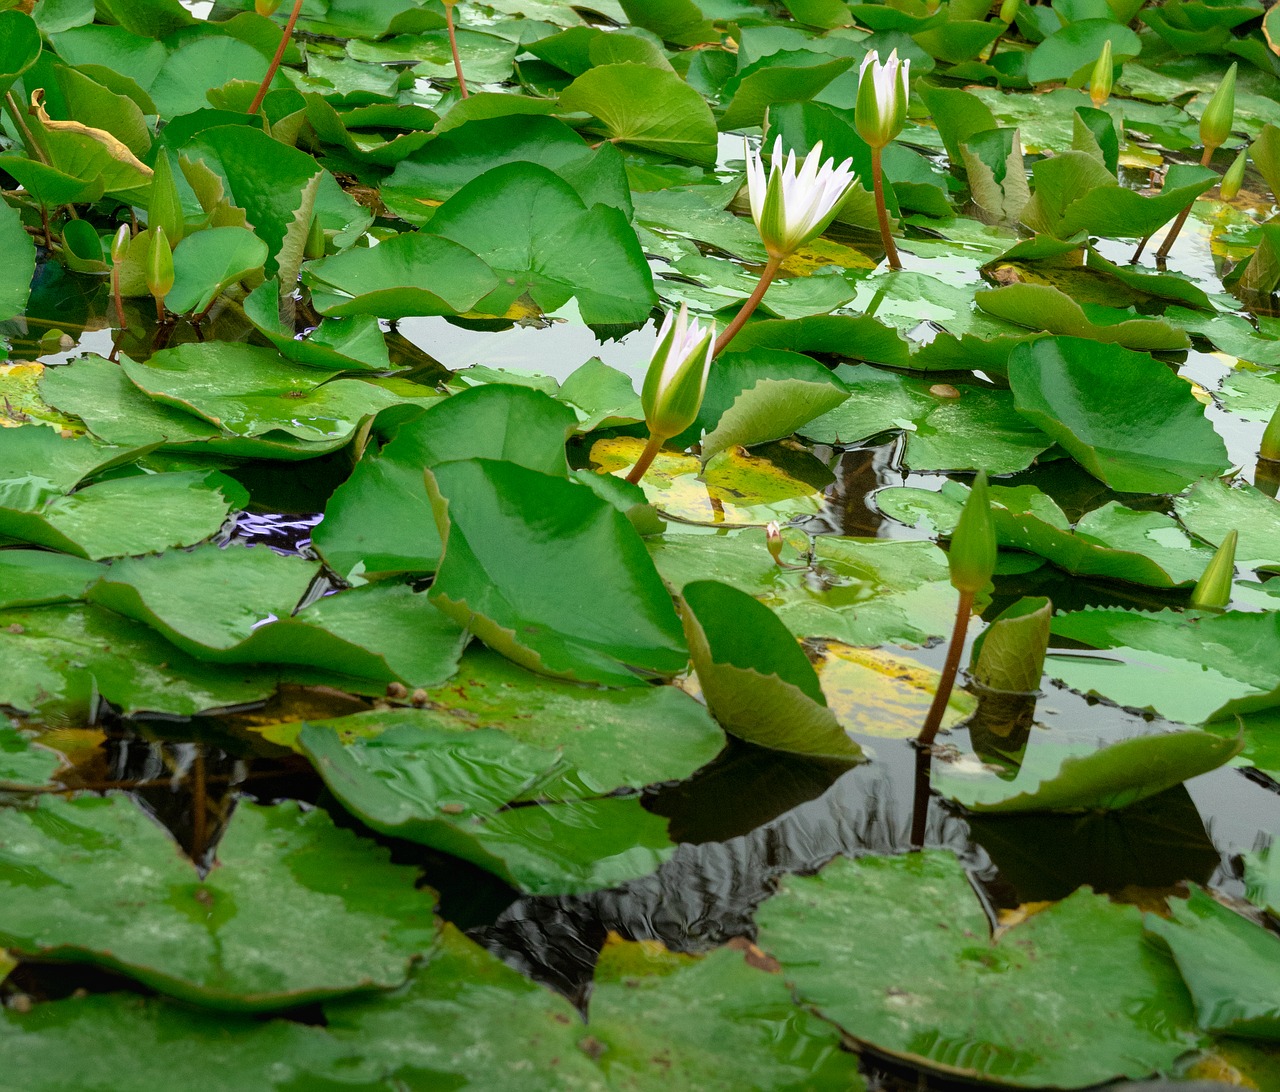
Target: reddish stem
115, 295
933, 721
285, 38
886, 236
453, 47
1172, 237
647, 456
753, 301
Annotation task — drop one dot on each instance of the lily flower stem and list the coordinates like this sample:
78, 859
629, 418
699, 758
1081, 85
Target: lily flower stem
161, 317
1172, 237
996, 45
285, 39
34, 148
647, 456
886, 236
453, 47
739, 320
933, 721
119, 302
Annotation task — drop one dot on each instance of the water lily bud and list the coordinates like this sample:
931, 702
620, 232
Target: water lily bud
792, 207
1219, 115
159, 264
773, 541
1269, 449
1213, 589
1103, 75
120, 244
1009, 11
314, 246
881, 109
973, 543
1234, 178
677, 376
164, 207
266, 8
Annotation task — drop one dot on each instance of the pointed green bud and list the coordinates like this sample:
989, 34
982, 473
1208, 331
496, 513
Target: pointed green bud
1009, 11
1103, 75
159, 264
1220, 114
1269, 449
973, 543
164, 208
677, 376
314, 246
1213, 590
266, 8
120, 244
1234, 178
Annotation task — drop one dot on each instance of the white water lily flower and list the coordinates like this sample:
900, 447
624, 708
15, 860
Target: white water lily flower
881, 109
792, 207
677, 376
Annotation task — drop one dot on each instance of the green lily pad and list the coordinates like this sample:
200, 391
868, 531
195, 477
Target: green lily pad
1124, 416
236, 605
449, 788
756, 680
1262, 875
15, 284
540, 238
387, 280
654, 1012
207, 263
38, 464
61, 659
30, 578
1213, 508
647, 107
94, 878
1113, 541
133, 515
1044, 307
490, 1026
248, 391
1078, 776
1230, 966
1186, 668
515, 545
1068, 998
959, 428
24, 763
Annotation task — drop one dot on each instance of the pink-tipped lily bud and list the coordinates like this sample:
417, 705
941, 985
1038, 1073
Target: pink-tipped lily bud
1103, 77
677, 376
881, 109
792, 207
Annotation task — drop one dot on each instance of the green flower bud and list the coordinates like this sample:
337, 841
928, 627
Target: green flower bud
881, 108
1103, 75
1269, 449
120, 244
164, 208
973, 543
1009, 11
314, 246
677, 376
266, 8
1234, 178
159, 264
1219, 115
1213, 589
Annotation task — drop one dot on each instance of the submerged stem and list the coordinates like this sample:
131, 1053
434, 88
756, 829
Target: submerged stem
942, 695
285, 38
886, 236
740, 319
647, 456
453, 47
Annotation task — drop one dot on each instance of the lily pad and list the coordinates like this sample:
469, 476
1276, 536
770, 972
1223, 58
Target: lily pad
29, 578
516, 543
1213, 508
1078, 776
1044, 307
755, 678
94, 878
1124, 416
449, 789
1070, 997
1230, 966
24, 763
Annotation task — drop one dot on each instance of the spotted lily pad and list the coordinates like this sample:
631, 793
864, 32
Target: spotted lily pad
94, 878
